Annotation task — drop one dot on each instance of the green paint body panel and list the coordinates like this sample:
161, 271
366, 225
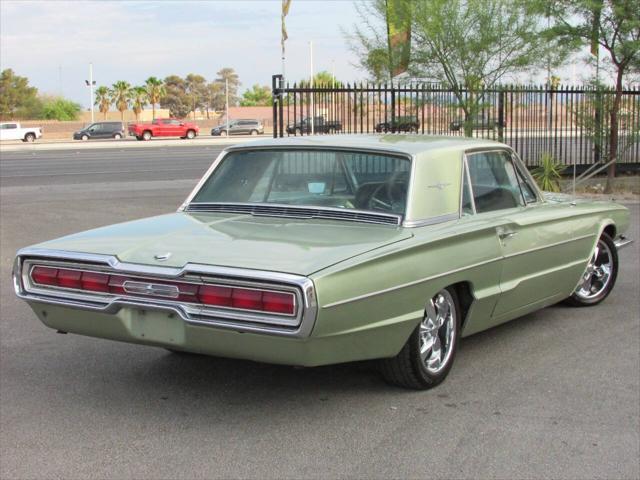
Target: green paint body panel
371, 281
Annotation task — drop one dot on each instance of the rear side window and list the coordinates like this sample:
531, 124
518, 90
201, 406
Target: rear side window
494, 182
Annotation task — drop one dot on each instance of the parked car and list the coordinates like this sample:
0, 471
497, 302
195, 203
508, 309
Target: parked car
101, 130
239, 127
478, 122
164, 127
14, 131
321, 250
400, 124
320, 125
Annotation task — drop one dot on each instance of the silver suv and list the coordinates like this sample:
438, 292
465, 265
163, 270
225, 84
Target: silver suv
239, 127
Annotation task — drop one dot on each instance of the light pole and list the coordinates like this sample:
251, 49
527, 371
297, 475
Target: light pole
90, 83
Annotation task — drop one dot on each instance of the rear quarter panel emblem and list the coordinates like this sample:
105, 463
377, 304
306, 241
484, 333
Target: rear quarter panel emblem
162, 256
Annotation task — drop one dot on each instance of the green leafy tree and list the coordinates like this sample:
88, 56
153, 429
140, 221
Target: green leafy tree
321, 79
103, 100
257, 96
120, 93
215, 97
230, 75
611, 25
196, 90
155, 91
176, 98
466, 45
139, 98
15, 94
58, 108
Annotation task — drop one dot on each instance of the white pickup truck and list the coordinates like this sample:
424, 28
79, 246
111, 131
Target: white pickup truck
13, 131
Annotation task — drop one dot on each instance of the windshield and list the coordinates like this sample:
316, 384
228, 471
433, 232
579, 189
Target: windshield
338, 179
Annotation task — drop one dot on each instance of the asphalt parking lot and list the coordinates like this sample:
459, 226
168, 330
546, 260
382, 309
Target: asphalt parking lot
555, 394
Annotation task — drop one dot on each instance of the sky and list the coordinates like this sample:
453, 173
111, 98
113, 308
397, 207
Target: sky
52, 42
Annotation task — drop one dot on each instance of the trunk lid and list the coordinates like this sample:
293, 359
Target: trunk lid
286, 245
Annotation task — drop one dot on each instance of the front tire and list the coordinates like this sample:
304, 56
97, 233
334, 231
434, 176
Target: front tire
254, 132
600, 276
427, 357
85, 138
146, 136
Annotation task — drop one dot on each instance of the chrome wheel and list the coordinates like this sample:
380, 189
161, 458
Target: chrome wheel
437, 331
598, 274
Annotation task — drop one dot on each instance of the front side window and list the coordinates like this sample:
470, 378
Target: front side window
494, 181
313, 178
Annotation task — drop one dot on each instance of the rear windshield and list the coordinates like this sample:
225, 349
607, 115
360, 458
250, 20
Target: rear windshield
337, 179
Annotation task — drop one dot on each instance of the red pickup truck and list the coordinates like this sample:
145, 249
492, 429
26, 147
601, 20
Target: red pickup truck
163, 127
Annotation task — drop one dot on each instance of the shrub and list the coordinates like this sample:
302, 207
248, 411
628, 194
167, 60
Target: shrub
549, 173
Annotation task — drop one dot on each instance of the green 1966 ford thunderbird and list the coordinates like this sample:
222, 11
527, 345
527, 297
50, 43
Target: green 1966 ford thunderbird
311, 251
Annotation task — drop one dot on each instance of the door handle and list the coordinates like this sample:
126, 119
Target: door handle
504, 233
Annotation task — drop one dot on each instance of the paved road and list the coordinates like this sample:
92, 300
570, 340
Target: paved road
555, 394
73, 166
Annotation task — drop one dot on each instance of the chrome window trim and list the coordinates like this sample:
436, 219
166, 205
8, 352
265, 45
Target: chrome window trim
465, 168
528, 178
300, 326
507, 150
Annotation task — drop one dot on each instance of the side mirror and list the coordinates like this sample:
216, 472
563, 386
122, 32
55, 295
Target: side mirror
182, 124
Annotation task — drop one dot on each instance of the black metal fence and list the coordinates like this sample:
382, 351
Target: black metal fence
569, 123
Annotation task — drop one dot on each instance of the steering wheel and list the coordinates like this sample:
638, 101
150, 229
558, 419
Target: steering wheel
385, 195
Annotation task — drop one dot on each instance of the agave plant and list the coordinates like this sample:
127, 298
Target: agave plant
548, 173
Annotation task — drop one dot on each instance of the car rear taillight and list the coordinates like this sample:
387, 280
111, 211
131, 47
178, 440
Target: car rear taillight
45, 275
95, 282
254, 299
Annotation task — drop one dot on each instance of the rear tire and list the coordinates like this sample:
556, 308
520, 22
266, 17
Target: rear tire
117, 136
191, 134
600, 276
29, 138
427, 357
146, 135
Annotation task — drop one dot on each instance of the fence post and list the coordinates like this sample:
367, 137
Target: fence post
597, 123
501, 115
275, 93
393, 106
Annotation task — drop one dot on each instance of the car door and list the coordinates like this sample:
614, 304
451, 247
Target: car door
8, 131
538, 242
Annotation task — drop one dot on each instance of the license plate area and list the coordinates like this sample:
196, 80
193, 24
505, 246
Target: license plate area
157, 326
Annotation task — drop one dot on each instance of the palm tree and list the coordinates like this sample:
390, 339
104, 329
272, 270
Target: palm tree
138, 98
120, 93
103, 100
155, 91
